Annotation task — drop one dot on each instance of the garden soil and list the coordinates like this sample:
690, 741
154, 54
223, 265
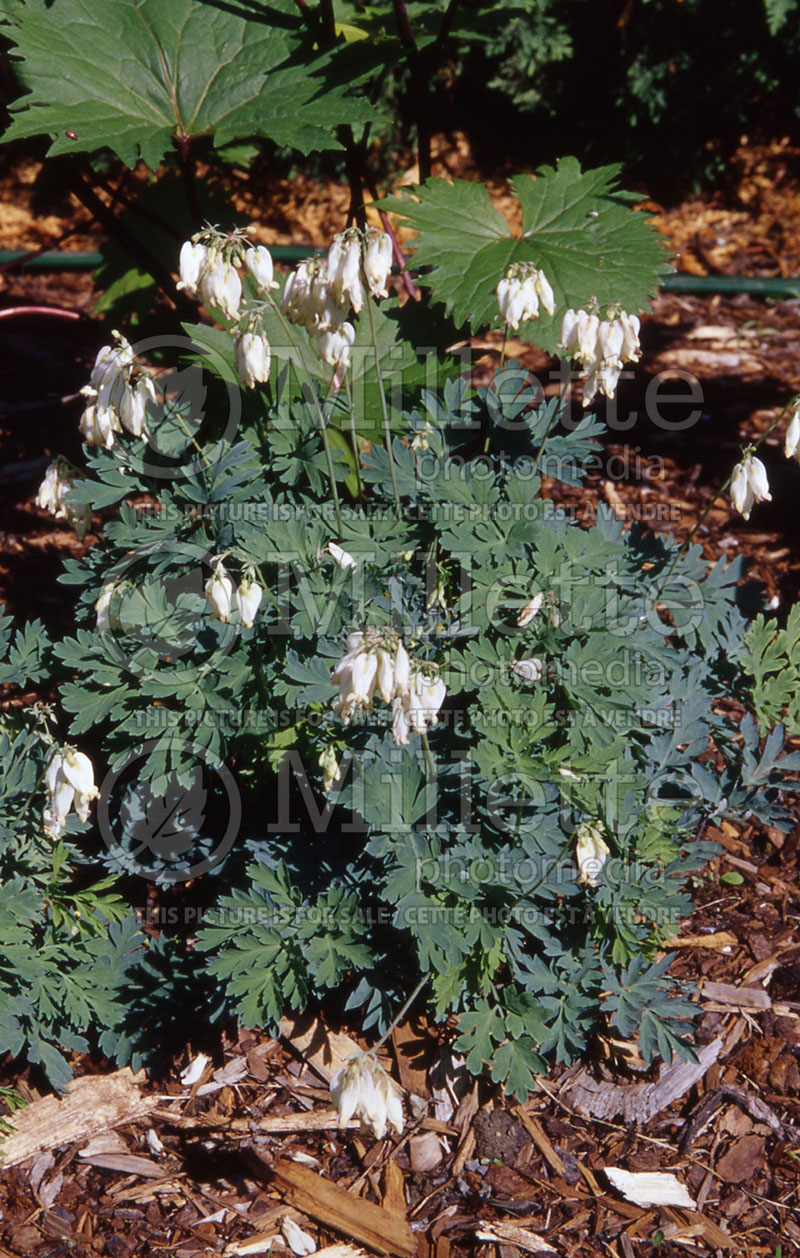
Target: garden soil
218, 1168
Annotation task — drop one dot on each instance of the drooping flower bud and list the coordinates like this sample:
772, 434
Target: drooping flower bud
631, 349
104, 611
297, 302
330, 768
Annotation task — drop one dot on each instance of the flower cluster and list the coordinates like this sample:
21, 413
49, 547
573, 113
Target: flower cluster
376, 662
520, 291
223, 597
362, 1089
117, 396
209, 267
53, 493
69, 779
591, 853
749, 484
602, 346
320, 292
210, 264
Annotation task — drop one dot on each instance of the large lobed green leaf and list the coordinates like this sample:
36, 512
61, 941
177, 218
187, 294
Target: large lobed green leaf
134, 75
577, 226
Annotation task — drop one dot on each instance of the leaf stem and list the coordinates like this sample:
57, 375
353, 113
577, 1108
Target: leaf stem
404, 1010
387, 432
320, 417
353, 433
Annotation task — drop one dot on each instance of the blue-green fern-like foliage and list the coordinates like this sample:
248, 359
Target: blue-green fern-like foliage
452, 859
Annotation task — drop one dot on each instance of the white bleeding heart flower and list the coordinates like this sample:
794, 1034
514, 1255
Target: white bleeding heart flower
378, 261
298, 1241
69, 779
258, 261
344, 269
341, 556
520, 291
363, 1090
591, 853
601, 346
546, 295
53, 496
298, 301
193, 264
530, 610
749, 485
132, 409
221, 286
219, 591
402, 670
792, 439
248, 600
252, 358
334, 345
194, 1071
529, 670
631, 349
386, 686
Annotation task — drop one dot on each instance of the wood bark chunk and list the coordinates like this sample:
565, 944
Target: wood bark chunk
540, 1138
511, 1233
379, 1229
638, 1102
126, 1164
325, 1051
650, 1188
412, 1050
719, 939
394, 1189
739, 997
90, 1105
742, 1159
